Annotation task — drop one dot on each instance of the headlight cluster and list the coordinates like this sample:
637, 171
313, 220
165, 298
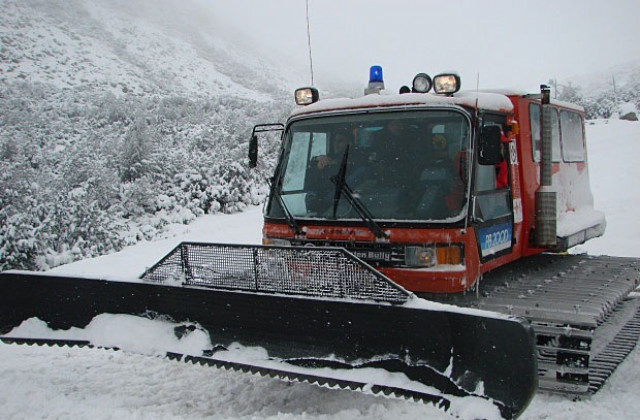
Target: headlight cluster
443, 84
275, 241
433, 255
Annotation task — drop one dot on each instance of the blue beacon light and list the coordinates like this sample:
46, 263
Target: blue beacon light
375, 74
376, 83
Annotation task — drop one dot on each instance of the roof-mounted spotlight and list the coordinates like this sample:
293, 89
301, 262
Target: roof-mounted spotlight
446, 83
306, 95
422, 83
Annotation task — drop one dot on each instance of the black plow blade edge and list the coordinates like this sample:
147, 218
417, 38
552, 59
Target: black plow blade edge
452, 351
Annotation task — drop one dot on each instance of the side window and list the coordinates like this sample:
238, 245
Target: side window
485, 178
555, 136
492, 193
534, 119
572, 136
536, 142
492, 177
490, 203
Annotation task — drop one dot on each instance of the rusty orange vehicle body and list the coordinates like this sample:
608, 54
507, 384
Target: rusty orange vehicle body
442, 201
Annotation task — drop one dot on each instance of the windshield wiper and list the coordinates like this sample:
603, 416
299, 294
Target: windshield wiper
343, 188
291, 221
339, 181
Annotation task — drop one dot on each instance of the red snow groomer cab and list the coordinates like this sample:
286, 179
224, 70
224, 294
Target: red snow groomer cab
432, 189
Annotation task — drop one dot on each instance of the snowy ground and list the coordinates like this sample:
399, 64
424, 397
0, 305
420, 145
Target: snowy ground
55, 383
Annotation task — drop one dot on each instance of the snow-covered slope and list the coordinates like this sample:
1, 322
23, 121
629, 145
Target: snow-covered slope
75, 383
136, 47
158, 89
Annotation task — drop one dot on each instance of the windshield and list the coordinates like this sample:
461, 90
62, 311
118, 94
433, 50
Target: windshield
408, 165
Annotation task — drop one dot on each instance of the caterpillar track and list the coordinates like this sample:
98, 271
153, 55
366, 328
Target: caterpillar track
585, 311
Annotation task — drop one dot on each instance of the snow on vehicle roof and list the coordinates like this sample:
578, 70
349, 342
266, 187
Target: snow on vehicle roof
485, 100
568, 105
512, 92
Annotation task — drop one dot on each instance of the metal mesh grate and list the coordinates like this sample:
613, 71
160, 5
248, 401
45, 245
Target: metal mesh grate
317, 272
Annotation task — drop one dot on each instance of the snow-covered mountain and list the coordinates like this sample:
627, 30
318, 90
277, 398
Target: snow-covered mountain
138, 47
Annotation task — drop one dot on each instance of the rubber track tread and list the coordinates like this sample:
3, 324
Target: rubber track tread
576, 293
603, 365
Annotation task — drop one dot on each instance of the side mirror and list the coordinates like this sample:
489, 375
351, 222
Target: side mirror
490, 145
253, 143
253, 151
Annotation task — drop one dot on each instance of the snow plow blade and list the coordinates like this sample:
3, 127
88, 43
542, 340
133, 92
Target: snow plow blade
320, 314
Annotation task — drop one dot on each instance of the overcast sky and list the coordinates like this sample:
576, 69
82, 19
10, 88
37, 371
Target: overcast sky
504, 44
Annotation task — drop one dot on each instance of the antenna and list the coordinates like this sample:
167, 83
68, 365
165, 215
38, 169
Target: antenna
474, 142
309, 43
477, 91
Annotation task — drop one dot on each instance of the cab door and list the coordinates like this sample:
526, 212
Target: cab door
492, 205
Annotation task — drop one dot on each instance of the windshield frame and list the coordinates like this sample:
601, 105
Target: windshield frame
274, 210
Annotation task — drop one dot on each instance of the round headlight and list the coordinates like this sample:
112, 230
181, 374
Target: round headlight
422, 83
